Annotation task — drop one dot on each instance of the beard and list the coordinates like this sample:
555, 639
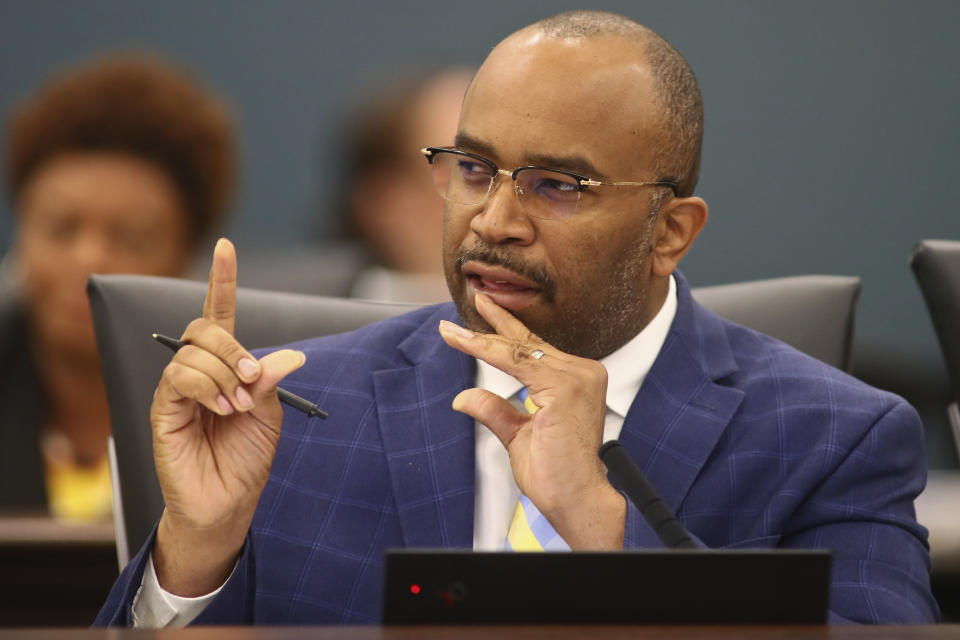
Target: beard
594, 321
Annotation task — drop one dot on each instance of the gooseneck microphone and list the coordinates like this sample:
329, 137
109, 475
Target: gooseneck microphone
642, 494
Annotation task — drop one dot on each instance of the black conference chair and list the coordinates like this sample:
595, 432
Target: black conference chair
127, 310
936, 266
813, 313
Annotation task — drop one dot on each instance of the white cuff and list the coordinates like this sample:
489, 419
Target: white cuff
155, 608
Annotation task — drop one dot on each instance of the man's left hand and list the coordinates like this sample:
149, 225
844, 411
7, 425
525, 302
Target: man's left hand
553, 453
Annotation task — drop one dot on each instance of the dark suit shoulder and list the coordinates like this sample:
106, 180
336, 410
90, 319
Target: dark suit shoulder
377, 344
761, 358
343, 366
811, 404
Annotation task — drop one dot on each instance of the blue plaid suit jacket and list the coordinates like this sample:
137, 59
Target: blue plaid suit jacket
751, 442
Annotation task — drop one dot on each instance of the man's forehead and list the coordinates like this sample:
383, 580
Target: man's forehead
534, 58
587, 97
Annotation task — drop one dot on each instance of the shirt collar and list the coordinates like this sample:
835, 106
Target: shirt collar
627, 367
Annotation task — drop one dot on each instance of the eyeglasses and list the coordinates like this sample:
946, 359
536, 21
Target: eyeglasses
550, 194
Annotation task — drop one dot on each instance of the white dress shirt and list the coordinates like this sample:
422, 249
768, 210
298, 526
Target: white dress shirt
496, 491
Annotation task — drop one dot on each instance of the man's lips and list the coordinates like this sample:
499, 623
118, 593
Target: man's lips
507, 288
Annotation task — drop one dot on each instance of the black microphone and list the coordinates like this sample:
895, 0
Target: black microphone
642, 494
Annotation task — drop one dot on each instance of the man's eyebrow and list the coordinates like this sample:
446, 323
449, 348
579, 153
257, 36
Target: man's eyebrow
573, 163
466, 142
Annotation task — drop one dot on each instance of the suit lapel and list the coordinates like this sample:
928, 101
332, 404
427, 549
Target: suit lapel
671, 429
680, 413
429, 446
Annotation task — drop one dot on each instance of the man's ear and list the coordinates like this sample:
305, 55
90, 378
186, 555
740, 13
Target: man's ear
680, 221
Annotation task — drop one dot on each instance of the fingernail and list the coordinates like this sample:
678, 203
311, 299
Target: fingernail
244, 398
450, 327
457, 404
225, 407
248, 368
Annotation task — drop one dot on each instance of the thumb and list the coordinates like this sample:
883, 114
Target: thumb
274, 367
492, 411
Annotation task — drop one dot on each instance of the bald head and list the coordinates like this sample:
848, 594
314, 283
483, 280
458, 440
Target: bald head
678, 136
579, 95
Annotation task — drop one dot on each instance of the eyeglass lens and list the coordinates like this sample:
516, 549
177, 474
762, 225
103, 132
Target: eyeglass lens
542, 193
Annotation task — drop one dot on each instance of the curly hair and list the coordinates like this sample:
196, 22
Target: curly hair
131, 103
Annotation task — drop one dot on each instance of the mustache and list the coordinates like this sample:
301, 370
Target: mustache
500, 257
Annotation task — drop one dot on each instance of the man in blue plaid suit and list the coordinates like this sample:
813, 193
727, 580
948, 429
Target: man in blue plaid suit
569, 205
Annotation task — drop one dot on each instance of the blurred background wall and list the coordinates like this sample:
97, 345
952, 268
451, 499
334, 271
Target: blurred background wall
831, 127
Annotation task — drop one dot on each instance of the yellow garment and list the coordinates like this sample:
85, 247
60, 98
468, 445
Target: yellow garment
528, 404
77, 493
520, 536
530, 529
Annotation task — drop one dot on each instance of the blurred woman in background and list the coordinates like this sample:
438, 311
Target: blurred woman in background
122, 165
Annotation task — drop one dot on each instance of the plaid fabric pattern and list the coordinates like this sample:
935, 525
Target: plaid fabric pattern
750, 442
530, 530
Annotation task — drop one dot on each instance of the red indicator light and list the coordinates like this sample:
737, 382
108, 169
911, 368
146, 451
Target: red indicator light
414, 589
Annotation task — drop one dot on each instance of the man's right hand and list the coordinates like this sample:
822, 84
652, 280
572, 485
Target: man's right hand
216, 422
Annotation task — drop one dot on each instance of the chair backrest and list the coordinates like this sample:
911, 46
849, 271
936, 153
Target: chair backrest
936, 266
127, 309
813, 313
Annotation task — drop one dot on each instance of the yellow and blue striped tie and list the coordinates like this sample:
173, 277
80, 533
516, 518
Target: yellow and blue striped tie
530, 530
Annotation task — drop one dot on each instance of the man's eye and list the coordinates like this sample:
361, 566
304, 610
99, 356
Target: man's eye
554, 189
474, 171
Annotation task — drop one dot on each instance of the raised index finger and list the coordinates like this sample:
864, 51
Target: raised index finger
220, 306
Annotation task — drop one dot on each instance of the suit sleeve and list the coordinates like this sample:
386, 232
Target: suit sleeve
233, 605
116, 611
863, 512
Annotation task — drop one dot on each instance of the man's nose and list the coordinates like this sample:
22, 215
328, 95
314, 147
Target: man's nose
501, 218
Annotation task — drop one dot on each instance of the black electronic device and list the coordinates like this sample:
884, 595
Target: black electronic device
686, 586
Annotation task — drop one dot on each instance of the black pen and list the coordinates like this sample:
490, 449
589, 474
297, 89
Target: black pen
287, 398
